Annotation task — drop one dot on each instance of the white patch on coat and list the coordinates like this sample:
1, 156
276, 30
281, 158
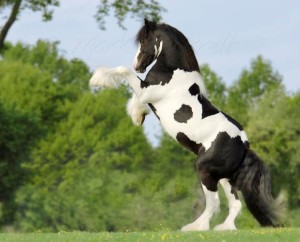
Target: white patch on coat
212, 206
244, 136
107, 77
234, 205
158, 49
136, 110
135, 60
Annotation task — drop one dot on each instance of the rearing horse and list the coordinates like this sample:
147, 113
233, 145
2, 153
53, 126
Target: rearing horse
175, 92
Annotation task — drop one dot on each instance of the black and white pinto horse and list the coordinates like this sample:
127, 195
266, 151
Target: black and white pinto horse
175, 92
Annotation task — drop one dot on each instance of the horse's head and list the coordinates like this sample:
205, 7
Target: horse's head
149, 46
165, 43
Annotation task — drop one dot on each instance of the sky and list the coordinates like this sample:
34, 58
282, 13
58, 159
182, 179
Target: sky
225, 34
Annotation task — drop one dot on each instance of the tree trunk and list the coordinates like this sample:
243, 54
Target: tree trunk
11, 19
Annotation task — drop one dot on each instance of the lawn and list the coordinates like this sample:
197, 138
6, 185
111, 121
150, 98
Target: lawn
257, 235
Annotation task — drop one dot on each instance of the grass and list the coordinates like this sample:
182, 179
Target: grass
257, 235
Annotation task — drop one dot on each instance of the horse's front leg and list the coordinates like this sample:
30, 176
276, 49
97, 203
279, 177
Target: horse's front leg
106, 77
136, 110
113, 77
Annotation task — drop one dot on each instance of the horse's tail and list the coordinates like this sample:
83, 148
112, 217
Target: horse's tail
253, 180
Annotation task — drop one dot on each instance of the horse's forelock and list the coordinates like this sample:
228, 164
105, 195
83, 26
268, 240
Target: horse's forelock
145, 31
140, 35
174, 34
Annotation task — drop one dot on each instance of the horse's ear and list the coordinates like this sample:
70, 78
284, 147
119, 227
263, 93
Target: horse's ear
150, 25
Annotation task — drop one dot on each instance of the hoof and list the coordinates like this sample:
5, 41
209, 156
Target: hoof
195, 227
137, 111
223, 227
138, 118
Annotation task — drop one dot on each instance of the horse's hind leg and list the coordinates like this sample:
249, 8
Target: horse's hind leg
234, 205
210, 187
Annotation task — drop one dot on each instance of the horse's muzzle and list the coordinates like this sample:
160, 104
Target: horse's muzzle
140, 69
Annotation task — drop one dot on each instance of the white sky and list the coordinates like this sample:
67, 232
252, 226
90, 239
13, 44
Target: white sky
225, 34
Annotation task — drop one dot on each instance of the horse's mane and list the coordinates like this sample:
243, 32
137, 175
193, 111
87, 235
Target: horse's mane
175, 35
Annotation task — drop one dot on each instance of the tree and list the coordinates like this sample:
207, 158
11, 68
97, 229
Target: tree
34, 97
122, 8
86, 174
17, 6
250, 86
18, 132
273, 130
45, 56
215, 87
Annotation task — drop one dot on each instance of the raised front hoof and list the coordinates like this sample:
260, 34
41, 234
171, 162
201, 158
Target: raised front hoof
138, 118
194, 227
224, 227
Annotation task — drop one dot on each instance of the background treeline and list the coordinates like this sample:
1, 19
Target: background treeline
71, 159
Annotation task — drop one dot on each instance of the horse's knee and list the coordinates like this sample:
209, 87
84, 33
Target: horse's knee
136, 110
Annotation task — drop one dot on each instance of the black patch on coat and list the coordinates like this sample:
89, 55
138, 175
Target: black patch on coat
207, 108
232, 120
143, 84
143, 119
187, 143
157, 77
247, 144
223, 158
194, 89
254, 181
234, 190
154, 110
183, 114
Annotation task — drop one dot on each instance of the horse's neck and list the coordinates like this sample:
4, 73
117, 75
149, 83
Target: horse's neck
161, 74
170, 60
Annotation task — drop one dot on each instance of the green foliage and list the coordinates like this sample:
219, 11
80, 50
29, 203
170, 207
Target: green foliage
45, 6
122, 8
18, 131
85, 174
33, 103
274, 131
45, 56
19, 5
215, 87
250, 87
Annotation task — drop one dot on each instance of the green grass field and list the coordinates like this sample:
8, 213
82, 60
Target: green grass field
257, 235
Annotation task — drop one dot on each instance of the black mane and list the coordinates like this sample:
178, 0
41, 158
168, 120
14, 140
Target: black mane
175, 35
